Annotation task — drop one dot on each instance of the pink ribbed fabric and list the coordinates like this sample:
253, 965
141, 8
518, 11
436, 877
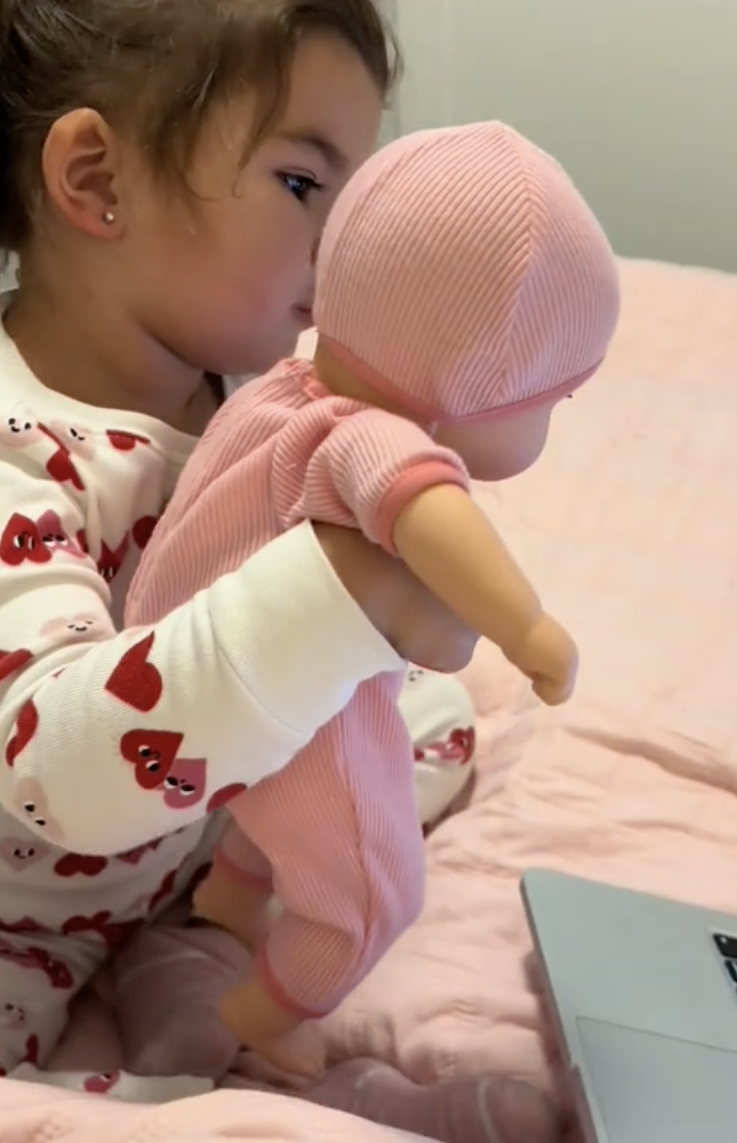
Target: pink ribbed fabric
337, 832
461, 273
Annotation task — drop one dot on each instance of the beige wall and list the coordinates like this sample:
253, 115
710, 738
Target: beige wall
637, 98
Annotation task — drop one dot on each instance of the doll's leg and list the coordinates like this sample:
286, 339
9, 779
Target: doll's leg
440, 717
237, 892
488, 1109
168, 983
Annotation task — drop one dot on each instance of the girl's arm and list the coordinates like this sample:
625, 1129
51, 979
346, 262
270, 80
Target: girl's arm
110, 740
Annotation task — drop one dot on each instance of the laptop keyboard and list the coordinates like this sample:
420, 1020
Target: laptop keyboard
727, 947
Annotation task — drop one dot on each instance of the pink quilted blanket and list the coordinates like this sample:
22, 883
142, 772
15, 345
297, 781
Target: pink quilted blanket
36, 1114
626, 526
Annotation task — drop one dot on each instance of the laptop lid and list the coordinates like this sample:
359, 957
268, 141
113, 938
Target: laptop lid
644, 995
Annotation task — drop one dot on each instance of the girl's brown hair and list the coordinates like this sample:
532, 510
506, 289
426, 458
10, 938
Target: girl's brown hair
154, 68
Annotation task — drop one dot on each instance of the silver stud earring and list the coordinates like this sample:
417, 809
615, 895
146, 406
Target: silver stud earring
108, 218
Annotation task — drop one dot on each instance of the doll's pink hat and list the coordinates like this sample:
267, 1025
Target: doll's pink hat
461, 274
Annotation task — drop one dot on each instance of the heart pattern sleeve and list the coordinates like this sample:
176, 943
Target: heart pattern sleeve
111, 739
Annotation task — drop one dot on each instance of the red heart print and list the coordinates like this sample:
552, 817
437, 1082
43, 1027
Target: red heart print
61, 468
221, 797
143, 530
464, 742
12, 661
110, 560
153, 753
133, 856
123, 441
184, 785
135, 681
102, 1083
113, 933
21, 541
57, 972
164, 890
24, 926
26, 726
33, 1047
72, 864
457, 749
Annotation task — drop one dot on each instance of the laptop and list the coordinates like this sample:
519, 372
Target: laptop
644, 994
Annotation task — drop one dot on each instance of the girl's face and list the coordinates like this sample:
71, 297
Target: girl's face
225, 279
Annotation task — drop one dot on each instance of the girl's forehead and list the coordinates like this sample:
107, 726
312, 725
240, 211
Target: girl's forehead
333, 102
328, 125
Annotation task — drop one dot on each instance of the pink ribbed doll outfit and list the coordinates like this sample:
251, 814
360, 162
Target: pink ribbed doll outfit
461, 275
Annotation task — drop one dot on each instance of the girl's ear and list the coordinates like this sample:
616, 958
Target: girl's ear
79, 164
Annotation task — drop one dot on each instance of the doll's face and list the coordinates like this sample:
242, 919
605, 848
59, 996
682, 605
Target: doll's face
498, 450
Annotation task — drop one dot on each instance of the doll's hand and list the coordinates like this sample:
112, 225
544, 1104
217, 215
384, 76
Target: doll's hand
549, 658
300, 1054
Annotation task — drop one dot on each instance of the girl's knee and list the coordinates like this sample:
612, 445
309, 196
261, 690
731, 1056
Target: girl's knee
37, 984
440, 718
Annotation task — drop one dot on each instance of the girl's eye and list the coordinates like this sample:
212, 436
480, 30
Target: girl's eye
299, 185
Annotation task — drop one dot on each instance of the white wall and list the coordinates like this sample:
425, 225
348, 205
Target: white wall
637, 98
7, 275
391, 126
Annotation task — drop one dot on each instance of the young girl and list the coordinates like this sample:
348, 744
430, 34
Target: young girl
167, 169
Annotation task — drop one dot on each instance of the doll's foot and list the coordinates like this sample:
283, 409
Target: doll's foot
298, 1054
243, 911
488, 1109
263, 1026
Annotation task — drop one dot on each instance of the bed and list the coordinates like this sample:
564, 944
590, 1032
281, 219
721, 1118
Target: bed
625, 525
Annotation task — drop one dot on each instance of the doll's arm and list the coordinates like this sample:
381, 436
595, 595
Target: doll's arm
451, 546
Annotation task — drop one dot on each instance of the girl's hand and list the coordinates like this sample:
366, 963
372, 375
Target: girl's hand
414, 621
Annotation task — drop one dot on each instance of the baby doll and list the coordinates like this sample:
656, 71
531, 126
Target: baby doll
463, 287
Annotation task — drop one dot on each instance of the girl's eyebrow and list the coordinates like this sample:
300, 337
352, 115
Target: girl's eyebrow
327, 150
